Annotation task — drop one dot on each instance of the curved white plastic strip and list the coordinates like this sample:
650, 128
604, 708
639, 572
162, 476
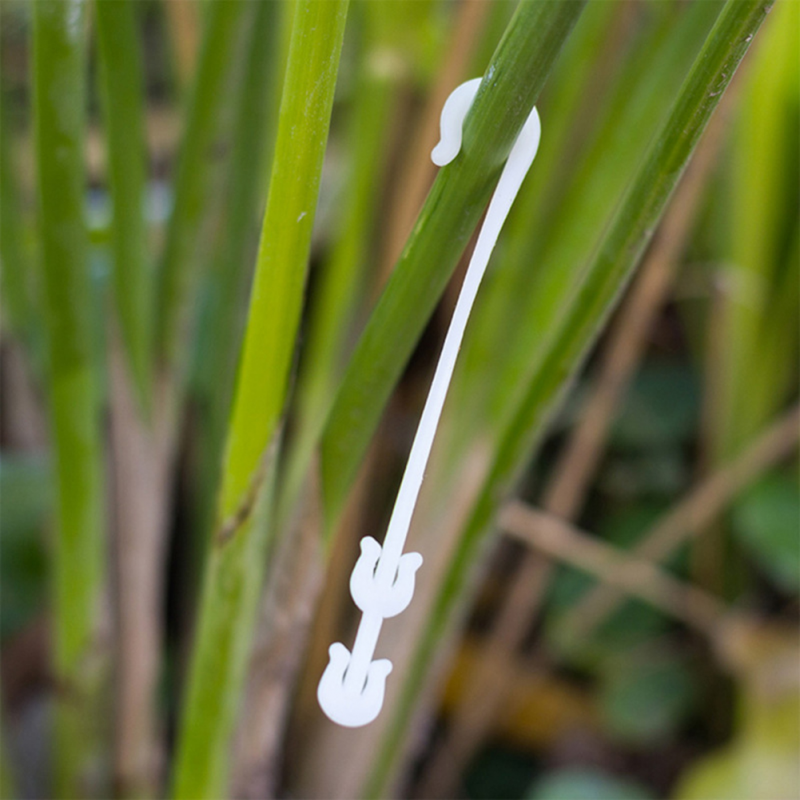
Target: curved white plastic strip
451, 122
351, 689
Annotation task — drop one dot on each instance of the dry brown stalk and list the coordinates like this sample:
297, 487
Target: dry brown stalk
24, 425
332, 602
626, 571
286, 616
706, 558
697, 510
141, 459
184, 23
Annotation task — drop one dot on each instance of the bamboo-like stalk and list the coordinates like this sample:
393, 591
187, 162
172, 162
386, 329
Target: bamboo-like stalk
137, 434
754, 301
287, 607
615, 260
23, 360
285, 615
237, 558
221, 325
78, 557
752, 317
343, 274
140, 464
177, 279
516, 72
144, 433
123, 99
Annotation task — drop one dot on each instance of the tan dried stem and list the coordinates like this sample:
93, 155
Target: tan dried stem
141, 460
706, 558
24, 425
626, 571
286, 615
184, 23
696, 511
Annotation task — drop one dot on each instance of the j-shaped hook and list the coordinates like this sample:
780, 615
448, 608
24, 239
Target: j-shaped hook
352, 704
352, 687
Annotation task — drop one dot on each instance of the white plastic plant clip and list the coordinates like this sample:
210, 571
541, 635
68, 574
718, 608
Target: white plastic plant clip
351, 689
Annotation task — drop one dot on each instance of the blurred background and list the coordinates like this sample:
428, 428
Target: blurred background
610, 523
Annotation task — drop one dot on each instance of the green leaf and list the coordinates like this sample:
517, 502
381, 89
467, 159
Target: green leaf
497, 773
123, 96
645, 701
761, 273
340, 284
178, 277
661, 407
767, 522
221, 327
26, 489
761, 761
237, 558
585, 784
79, 556
495, 319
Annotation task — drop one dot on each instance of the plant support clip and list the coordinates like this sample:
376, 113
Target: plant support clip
352, 687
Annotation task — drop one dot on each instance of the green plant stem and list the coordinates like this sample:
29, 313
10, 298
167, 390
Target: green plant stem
562, 246
457, 199
759, 300
177, 279
123, 97
495, 319
78, 558
618, 255
339, 292
220, 332
237, 558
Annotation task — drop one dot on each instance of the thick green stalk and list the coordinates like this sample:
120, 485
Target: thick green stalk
758, 276
178, 276
459, 195
123, 97
618, 255
78, 558
340, 288
220, 332
237, 558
